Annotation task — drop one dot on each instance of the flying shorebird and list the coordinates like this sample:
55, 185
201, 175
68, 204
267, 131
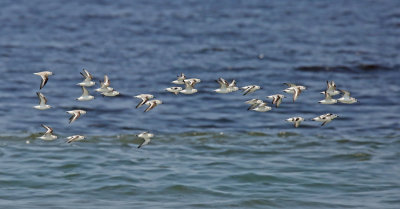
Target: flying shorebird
295, 90
144, 98
295, 120
224, 86
276, 99
49, 134
146, 136
254, 103
189, 86
85, 95
262, 107
346, 98
105, 86
250, 89
174, 90
294, 85
328, 99
112, 93
75, 114
45, 77
75, 138
232, 86
152, 104
88, 79
42, 102
180, 79
331, 88
325, 118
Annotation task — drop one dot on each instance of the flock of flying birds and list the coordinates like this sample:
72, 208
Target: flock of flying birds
225, 87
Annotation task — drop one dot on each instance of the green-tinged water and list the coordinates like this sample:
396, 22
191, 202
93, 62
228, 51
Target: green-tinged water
201, 170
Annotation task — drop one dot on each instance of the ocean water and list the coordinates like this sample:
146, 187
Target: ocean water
208, 150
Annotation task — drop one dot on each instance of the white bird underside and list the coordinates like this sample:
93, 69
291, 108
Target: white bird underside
88, 79
75, 138
144, 98
174, 89
48, 135
328, 99
146, 138
75, 114
42, 102
85, 95
295, 120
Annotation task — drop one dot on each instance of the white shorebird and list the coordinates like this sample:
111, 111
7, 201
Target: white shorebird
276, 99
85, 95
88, 79
49, 134
147, 138
42, 102
45, 77
346, 98
224, 86
253, 103
144, 98
325, 118
189, 86
105, 86
232, 86
295, 90
263, 107
75, 138
295, 85
295, 120
180, 79
174, 89
328, 99
250, 89
75, 114
152, 104
112, 93
331, 88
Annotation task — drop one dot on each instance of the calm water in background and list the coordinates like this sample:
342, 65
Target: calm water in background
209, 151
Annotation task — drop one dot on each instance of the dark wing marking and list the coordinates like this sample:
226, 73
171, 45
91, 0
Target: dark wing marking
74, 117
44, 81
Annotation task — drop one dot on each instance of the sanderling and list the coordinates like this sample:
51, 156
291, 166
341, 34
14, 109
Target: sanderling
253, 103
232, 86
146, 136
49, 134
45, 77
328, 99
223, 89
250, 89
331, 88
189, 86
295, 90
110, 93
42, 102
105, 86
75, 138
75, 114
346, 98
180, 79
85, 95
88, 79
295, 85
276, 99
263, 107
152, 104
325, 118
174, 89
144, 98
295, 120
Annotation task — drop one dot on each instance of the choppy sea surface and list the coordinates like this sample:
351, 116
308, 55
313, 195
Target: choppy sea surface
208, 150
